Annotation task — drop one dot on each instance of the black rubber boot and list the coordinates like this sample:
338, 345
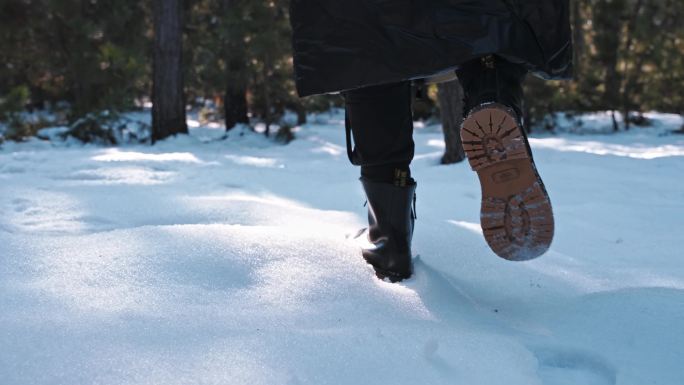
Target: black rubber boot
391, 215
516, 214
492, 79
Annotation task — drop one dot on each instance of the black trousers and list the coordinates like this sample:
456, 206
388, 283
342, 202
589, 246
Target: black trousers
379, 118
380, 121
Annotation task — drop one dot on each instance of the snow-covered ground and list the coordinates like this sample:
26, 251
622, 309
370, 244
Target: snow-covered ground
201, 261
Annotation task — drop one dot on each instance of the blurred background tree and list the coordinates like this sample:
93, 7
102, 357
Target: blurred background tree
93, 55
89, 56
168, 94
628, 59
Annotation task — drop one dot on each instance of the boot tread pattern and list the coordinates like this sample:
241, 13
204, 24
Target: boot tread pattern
491, 135
516, 214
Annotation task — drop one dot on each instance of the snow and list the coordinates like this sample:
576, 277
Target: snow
210, 261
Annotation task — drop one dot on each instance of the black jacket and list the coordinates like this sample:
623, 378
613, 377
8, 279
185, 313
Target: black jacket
345, 44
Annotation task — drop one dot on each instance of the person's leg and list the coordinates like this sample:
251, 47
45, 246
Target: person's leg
516, 215
492, 79
381, 123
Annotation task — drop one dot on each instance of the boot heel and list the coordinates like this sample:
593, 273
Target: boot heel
491, 135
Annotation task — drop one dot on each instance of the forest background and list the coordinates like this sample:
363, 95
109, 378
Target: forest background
87, 61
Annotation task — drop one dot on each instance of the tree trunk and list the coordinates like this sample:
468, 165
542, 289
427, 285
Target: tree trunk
235, 101
301, 114
451, 105
577, 34
235, 105
168, 100
265, 89
626, 79
609, 14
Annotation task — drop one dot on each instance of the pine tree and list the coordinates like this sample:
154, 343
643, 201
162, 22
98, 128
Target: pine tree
168, 99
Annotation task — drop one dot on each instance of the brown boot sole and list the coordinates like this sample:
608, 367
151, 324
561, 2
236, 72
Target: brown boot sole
516, 215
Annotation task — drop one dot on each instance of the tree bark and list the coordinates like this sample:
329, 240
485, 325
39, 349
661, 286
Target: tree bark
578, 34
609, 14
235, 106
235, 103
626, 79
450, 96
301, 114
168, 99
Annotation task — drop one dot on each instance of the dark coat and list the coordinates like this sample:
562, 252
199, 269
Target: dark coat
345, 44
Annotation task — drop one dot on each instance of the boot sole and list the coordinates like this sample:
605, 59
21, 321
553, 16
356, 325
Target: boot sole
516, 214
394, 277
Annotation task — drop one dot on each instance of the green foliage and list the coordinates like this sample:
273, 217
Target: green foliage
95, 55
13, 103
107, 129
321, 103
93, 128
11, 108
629, 57
243, 44
92, 53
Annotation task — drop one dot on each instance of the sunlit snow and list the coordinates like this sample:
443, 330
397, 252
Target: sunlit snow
230, 260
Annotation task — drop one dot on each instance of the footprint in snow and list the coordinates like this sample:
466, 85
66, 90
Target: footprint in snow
558, 366
20, 204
